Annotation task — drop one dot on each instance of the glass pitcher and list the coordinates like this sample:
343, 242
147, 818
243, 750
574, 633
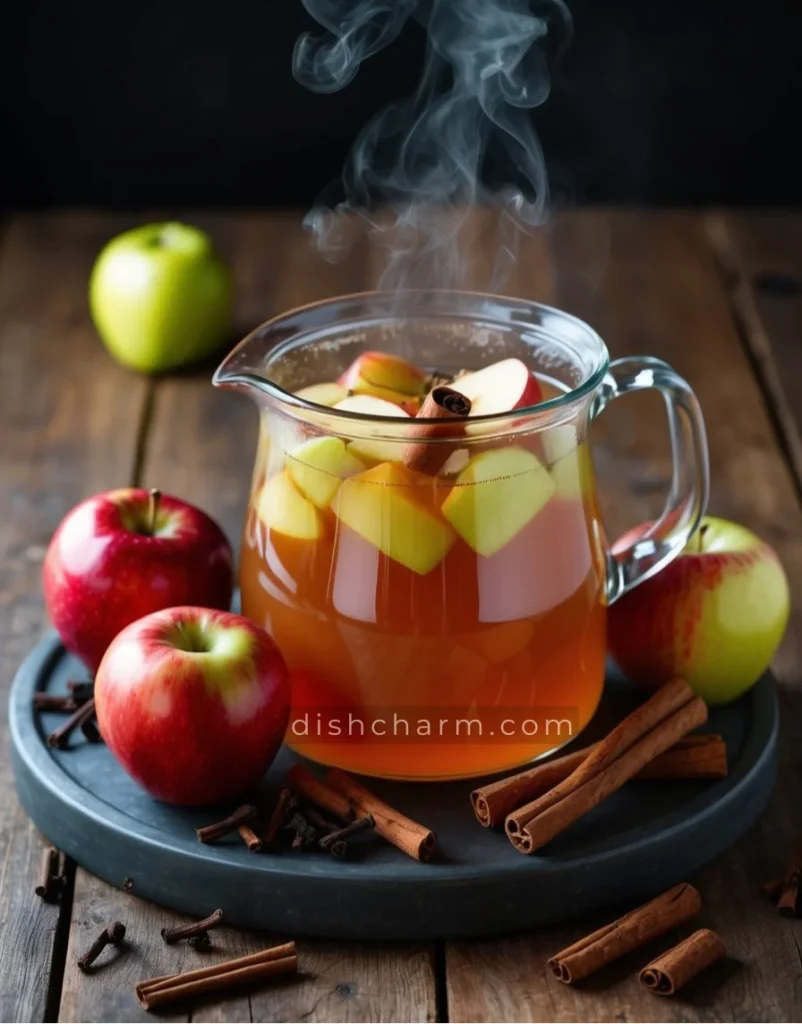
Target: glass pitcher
450, 623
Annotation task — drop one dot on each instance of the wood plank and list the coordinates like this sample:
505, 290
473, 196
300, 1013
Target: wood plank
200, 445
68, 422
661, 294
761, 262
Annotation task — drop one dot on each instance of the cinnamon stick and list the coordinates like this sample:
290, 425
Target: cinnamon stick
693, 757
629, 932
671, 713
211, 833
675, 968
220, 977
409, 836
441, 405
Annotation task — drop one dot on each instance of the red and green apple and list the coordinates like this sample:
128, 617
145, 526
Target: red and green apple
714, 616
193, 703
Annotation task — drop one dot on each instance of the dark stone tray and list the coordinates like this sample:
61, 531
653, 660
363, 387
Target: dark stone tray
643, 839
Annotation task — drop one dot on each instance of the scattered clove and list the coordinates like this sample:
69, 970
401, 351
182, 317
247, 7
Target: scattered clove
337, 842
59, 738
48, 887
785, 891
200, 943
284, 807
250, 838
81, 691
210, 833
112, 935
194, 929
305, 833
63, 702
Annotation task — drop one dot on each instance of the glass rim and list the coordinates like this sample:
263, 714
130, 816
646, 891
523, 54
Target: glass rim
221, 378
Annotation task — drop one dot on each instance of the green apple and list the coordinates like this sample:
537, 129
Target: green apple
160, 296
713, 617
495, 496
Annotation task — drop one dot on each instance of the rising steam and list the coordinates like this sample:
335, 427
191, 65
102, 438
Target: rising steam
422, 158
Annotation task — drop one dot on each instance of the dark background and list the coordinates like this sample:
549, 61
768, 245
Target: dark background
177, 102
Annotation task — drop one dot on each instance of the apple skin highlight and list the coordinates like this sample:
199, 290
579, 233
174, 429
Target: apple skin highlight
193, 703
714, 616
103, 569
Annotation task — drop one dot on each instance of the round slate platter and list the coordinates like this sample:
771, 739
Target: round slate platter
641, 840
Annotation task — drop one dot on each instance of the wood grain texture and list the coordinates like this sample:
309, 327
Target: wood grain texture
68, 419
661, 294
200, 445
761, 265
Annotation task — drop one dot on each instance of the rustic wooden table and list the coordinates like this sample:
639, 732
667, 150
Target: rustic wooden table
719, 295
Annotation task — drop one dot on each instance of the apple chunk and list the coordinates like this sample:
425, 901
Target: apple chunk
384, 376
382, 507
327, 394
495, 496
365, 447
318, 466
500, 387
283, 508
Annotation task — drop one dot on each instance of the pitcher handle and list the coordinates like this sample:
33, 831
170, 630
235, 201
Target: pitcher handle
687, 498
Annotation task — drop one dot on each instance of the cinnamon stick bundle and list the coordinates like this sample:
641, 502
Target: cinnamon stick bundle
629, 932
441, 405
675, 968
668, 715
220, 977
693, 757
410, 837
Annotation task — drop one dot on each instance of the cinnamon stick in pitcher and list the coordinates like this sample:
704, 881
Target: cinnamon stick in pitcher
410, 837
629, 932
693, 757
441, 405
668, 715
675, 968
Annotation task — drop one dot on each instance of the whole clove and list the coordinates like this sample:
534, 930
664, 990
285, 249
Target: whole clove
63, 702
336, 842
323, 825
81, 691
305, 833
59, 738
200, 943
113, 935
193, 929
285, 805
242, 816
250, 838
47, 887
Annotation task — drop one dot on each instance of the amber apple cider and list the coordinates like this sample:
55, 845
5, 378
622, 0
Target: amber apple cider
419, 647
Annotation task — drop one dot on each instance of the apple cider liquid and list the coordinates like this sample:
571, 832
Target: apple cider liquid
434, 627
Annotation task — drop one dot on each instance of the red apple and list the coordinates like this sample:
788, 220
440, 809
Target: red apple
500, 387
122, 554
193, 703
714, 616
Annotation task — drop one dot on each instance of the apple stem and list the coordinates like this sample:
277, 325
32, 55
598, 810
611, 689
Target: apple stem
701, 536
154, 497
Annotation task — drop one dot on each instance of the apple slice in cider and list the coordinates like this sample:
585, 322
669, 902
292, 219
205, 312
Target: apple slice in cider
366, 447
500, 387
382, 507
282, 507
319, 465
495, 496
